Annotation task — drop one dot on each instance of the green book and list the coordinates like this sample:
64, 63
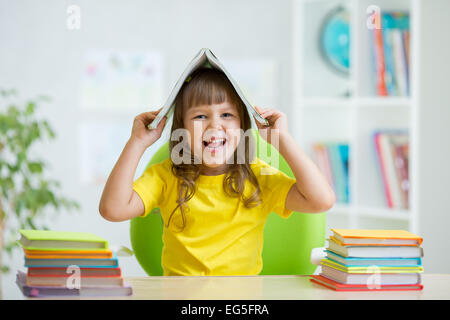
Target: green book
58, 240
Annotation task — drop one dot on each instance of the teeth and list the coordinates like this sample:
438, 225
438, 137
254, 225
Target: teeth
216, 143
216, 140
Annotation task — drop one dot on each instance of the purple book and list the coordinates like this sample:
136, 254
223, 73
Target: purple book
43, 291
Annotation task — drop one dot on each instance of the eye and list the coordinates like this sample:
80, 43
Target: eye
200, 116
227, 114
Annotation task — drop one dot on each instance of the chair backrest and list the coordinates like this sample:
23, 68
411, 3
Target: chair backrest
287, 242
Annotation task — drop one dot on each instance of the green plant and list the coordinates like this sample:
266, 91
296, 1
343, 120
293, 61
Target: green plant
25, 194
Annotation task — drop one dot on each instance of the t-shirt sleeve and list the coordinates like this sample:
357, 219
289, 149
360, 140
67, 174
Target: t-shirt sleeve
276, 185
151, 187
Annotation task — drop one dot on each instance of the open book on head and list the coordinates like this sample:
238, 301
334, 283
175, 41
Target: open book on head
205, 58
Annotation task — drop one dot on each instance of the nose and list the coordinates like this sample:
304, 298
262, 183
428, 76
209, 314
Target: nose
215, 122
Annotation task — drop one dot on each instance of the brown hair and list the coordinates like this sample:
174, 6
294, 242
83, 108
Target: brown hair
211, 86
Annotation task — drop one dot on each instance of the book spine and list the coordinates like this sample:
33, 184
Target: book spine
381, 163
389, 72
388, 160
344, 156
379, 62
399, 63
338, 172
405, 51
402, 173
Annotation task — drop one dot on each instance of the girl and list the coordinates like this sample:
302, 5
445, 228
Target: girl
215, 202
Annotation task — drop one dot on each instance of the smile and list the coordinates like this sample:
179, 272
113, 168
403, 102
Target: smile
214, 144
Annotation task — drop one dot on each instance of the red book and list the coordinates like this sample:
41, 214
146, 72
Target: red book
383, 169
379, 62
355, 287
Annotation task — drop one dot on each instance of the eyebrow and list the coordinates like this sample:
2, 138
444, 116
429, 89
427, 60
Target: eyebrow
196, 108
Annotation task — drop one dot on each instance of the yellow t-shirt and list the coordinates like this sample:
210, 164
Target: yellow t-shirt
221, 235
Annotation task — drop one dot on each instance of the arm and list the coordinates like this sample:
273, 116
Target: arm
311, 192
119, 201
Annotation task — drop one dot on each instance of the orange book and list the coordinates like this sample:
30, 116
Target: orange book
68, 254
364, 237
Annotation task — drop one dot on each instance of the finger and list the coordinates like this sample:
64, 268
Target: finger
261, 110
162, 123
148, 116
271, 113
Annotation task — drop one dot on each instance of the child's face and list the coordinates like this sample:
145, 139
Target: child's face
214, 132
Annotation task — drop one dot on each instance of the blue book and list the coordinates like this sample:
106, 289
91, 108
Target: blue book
337, 167
367, 262
344, 154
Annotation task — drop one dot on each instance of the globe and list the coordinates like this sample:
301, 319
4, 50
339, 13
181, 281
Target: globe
335, 39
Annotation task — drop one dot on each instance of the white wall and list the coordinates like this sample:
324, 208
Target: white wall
433, 132
39, 55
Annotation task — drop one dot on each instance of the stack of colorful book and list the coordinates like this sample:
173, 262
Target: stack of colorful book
69, 264
364, 260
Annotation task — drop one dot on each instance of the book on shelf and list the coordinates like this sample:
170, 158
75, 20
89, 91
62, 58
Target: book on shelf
56, 240
390, 47
392, 154
333, 160
363, 287
83, 291
204, 59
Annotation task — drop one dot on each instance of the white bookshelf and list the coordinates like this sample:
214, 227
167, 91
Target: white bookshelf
322, 111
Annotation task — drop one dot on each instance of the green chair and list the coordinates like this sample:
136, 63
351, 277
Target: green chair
287, 242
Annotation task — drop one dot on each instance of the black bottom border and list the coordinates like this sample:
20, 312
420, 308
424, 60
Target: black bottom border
220, 309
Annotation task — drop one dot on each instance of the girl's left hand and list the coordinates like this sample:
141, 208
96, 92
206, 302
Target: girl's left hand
277, 123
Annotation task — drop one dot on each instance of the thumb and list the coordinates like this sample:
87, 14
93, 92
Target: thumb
162, 123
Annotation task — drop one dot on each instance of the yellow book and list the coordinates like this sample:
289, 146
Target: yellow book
365, 237
370, 269
59, 240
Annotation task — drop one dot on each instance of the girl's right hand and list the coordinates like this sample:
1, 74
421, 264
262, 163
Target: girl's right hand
141, 134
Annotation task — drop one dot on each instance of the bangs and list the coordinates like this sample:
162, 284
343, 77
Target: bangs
209, 88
